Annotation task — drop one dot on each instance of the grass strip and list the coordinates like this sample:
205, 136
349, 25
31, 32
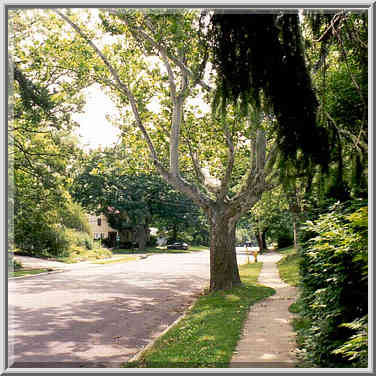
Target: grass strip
112, 261
152, 250
288, 267
79, 254
208, 334
23, 272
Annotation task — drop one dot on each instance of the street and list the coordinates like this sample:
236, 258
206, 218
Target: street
101, 315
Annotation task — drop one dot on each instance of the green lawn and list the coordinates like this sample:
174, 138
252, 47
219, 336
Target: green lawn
288, 266
152, 250
116, 260
207, 336
23, 272
78, 254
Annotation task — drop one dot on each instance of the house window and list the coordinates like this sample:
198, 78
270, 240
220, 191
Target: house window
102, 235
97, 235
99, 221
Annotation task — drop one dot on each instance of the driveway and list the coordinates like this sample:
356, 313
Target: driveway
102, 315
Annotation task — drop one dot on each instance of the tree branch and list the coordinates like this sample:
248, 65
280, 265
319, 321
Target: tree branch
161, 49
230, 162
123, 88
171, 176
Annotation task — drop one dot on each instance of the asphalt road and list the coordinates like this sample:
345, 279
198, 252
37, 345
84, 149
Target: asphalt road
100, 315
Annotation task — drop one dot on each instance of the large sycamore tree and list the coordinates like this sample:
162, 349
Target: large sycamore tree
223, 159
158, 66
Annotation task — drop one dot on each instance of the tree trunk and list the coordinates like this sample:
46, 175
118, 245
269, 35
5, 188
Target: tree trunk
263, 238
141, 236
260, 241
174, 232
295, 228
224, 272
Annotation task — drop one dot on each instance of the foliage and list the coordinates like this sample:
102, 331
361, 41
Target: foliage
210, 330
73, 216
356, 348
13, 264
153, 64
285, 239
41, 143
77, 238
337, 54
334, 286
242, 43
106, 181
152, 241
270, 217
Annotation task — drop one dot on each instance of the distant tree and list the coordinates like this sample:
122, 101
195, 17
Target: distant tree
130, 199
41, 144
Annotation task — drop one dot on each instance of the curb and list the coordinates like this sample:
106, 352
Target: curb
61, 271
39, 274
136, 357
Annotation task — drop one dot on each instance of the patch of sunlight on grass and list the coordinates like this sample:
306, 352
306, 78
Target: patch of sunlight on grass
232, 298
206, 338
113, 261
201, 315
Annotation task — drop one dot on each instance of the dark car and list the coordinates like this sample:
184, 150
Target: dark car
249, 244
178, 245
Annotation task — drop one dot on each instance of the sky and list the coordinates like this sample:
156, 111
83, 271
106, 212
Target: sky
94, 129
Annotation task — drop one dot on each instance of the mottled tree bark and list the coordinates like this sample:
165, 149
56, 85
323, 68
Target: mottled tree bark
224, 272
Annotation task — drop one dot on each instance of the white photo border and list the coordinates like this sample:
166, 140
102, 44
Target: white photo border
4, 165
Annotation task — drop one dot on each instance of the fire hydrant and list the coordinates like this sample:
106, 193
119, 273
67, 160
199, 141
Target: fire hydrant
255, 254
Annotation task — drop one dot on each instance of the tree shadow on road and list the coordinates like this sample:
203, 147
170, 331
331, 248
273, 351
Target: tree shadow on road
103, 328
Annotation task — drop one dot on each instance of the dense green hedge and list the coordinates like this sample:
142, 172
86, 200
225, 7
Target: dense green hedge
52, 233
334, 288
285, 239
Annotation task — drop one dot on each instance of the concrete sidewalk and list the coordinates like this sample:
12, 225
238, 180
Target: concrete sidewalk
268, 340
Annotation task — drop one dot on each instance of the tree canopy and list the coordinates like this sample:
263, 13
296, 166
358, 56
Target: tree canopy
163, 69
260, 60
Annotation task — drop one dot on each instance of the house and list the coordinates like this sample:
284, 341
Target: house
101, 228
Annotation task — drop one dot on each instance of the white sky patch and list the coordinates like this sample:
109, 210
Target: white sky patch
95, 130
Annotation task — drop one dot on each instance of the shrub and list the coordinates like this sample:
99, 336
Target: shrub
73, 216
106, 241
59, 242
89, 243
77, 238
334, 285
284, 240
152, 241
13, 264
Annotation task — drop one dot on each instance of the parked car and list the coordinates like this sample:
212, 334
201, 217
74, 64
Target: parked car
178, 245
249, 244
